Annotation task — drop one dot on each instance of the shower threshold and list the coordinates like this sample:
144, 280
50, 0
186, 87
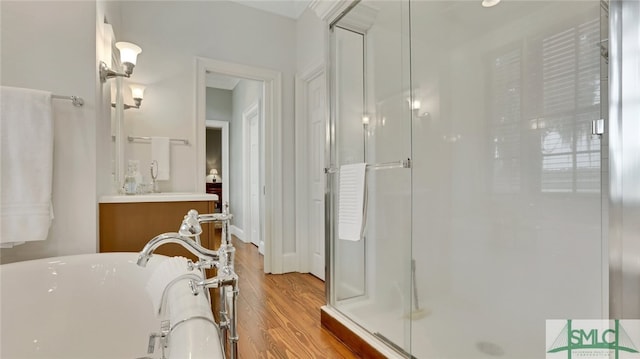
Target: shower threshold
394, 346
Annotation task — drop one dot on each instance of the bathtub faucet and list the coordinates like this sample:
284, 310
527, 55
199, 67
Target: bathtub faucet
226, 280
192, 224
218, 281
228, 310
196, 249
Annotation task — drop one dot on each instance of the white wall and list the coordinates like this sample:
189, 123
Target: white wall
311, 40
52, 46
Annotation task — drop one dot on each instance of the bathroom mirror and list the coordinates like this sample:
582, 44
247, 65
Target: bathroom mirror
116, 110
117, 119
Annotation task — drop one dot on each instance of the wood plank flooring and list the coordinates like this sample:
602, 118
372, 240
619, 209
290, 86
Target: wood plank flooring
279, 314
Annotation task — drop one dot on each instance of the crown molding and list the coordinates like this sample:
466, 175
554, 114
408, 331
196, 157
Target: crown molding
329, 10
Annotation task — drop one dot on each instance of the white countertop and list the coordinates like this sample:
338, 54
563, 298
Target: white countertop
159, 197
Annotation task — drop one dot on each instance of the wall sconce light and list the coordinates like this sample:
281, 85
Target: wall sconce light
415, 104
424, 115
128, 56
137, 92
365, 120
490, 3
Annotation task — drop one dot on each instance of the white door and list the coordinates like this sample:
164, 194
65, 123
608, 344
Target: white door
254, 180
316, 115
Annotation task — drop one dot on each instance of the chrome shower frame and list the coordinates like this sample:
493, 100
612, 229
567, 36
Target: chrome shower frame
624, 160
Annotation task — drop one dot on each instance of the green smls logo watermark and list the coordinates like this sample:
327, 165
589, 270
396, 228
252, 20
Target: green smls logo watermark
593, 339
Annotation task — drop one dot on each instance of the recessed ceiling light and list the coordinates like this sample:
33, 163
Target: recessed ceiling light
490, 3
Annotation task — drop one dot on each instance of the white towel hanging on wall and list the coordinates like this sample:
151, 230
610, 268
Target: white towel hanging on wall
160, 151
27, 165
351, 201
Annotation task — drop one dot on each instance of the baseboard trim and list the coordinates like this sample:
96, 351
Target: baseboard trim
239, 233
354, 337
290, 263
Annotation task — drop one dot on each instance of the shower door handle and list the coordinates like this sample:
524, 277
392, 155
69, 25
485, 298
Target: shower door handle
597, 127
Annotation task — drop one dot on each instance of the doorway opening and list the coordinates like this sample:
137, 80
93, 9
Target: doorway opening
217, 160
233, 103
252, 180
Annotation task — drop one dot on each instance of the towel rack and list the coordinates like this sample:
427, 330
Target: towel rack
386, 165
146, 138
379, 166
77, 101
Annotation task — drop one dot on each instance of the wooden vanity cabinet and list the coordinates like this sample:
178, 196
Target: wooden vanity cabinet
127, 227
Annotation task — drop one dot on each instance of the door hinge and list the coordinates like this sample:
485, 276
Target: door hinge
597, 127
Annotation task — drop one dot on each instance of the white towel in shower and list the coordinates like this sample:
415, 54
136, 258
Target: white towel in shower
26, 136
160, 151
351, 201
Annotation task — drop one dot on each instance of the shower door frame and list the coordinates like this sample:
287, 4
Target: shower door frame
331, 154
623, 160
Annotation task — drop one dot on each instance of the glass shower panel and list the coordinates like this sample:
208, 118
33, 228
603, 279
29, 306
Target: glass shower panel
372, 124
506, 177
349, 260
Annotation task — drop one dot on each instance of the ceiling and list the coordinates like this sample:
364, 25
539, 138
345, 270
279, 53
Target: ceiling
289, 8
219, 81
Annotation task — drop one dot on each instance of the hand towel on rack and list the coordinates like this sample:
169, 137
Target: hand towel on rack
351, 201
26, 145
160, 151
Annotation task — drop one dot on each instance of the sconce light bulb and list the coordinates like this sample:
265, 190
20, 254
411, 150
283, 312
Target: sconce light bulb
128, 52
490, 3
137, 91
365, 120
415, 105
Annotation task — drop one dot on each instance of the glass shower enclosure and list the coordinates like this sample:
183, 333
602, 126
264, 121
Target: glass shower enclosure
483, 202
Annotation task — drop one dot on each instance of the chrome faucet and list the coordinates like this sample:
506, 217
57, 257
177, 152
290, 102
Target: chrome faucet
153, 168
226, 280
165, 292
188, 243
190, 226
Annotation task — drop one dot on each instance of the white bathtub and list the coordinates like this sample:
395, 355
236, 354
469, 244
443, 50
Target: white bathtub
94, 306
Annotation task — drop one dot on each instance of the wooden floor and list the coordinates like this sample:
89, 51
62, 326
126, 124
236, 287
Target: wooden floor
279, 314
